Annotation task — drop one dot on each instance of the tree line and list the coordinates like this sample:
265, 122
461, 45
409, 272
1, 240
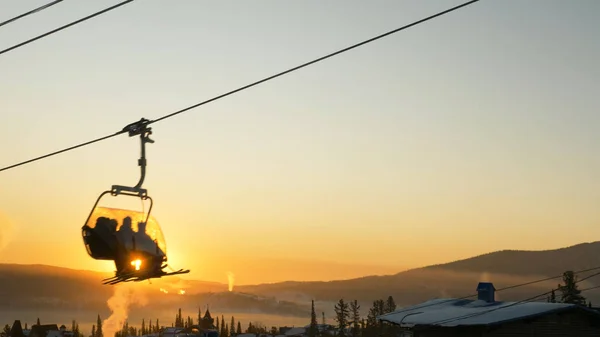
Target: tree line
349, 322
205, 321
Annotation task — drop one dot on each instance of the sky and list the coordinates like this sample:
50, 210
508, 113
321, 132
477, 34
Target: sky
474, 132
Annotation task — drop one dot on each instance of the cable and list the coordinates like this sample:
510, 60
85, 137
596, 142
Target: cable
33, 11
315, 61
498, 290
590, 288
63, 150
552, 278
241, 88
65, 26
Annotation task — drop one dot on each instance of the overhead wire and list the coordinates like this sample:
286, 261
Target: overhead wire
65, 26
33, 11
315, 61
61, 151
249, 85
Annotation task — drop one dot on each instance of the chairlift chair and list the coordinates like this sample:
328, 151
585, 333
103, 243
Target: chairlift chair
108, 233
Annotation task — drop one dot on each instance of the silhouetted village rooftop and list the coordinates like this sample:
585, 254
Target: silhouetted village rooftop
487, 317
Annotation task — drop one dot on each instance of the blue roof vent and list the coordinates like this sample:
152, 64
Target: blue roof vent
485, 292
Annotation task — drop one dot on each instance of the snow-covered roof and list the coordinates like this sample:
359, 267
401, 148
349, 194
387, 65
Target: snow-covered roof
54, 333
295, 331
172, 329
455, 312
247, 335
319, 326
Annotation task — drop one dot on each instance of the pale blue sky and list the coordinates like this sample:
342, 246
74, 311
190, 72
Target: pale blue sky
473, 132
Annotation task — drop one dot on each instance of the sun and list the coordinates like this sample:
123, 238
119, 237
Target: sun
137, 263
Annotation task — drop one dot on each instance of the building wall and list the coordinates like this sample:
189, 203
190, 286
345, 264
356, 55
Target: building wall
573, 324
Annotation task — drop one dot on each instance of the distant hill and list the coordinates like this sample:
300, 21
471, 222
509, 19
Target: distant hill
520, 262
457, 278
24, 287
41, 287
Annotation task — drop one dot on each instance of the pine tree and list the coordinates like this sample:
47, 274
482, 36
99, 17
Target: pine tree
239, 329
143, 326
157, 326
99, 332
552, 297
218, 325
199, 316
570, 292
125, 328
355, 309
232, 326
390, 305
226, 333
377, 309
179, 322
313, 329
93, 330
38, 321
341, 317
373, 327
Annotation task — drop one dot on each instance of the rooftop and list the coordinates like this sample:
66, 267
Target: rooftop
456, 312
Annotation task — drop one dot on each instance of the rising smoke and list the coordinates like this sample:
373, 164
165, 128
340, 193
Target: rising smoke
230, 280
119, 303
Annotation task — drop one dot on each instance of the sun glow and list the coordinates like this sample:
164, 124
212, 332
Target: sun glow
137, 263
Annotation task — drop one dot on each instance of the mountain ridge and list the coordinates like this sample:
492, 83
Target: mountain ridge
445, 265
40, 286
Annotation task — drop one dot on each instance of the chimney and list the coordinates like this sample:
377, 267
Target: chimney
485, 292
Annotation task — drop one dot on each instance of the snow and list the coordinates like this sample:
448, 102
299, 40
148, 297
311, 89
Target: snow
54, 333
449, 312
295, 332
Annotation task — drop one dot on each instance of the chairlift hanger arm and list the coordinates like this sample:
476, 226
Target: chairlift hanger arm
134, 129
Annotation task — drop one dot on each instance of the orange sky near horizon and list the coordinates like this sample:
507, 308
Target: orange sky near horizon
468, 134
